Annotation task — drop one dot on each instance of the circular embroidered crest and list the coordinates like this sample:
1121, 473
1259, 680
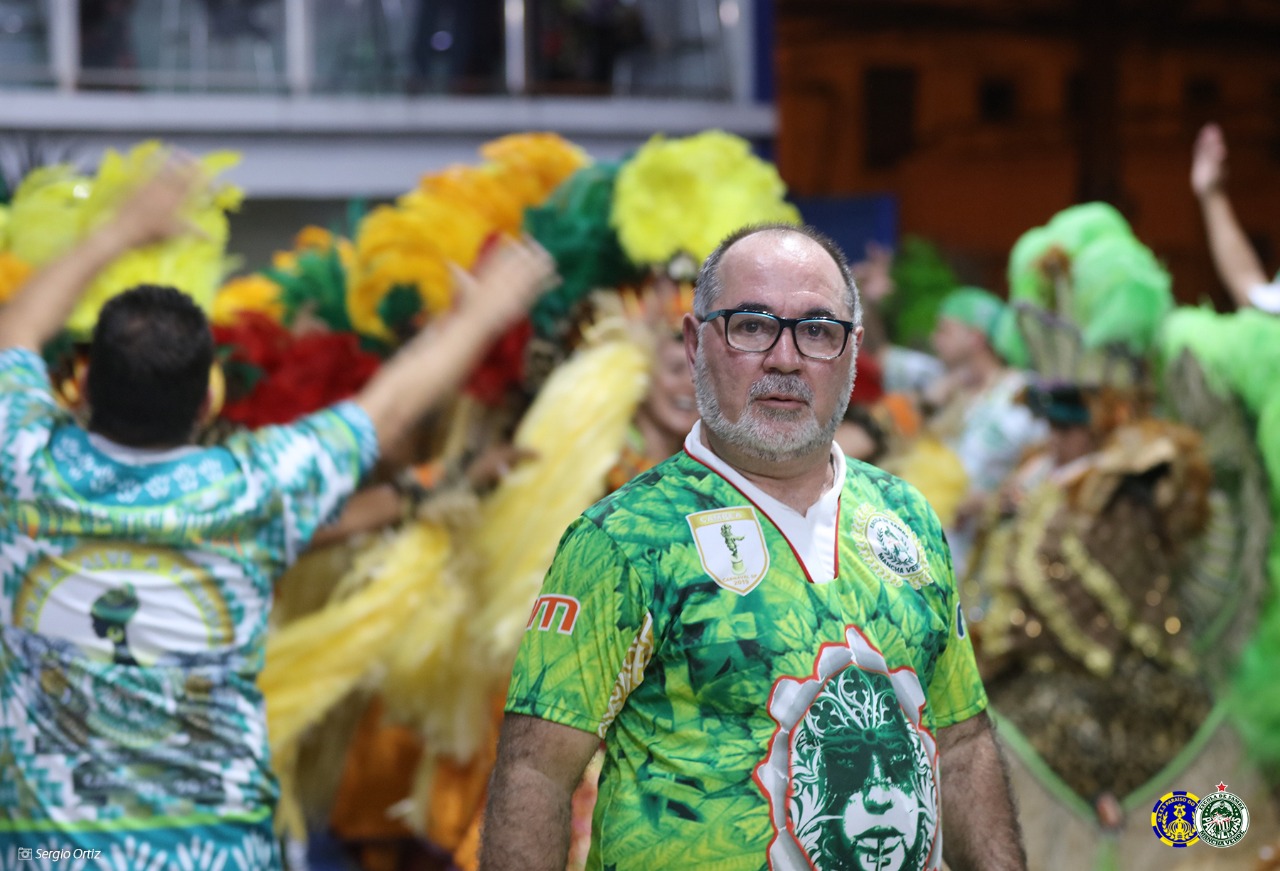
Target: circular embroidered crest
1173, 818
890, 548
1221, 818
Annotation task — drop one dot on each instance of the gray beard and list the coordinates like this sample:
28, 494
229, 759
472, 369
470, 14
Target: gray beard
751, 433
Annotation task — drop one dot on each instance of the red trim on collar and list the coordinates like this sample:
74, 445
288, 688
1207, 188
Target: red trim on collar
835, 557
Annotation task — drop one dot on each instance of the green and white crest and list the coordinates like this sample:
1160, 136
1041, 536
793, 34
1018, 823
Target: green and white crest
1221, 818
889, 548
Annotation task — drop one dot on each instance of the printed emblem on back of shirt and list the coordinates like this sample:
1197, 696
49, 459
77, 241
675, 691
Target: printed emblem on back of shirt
731, 547
889, 548
126, 603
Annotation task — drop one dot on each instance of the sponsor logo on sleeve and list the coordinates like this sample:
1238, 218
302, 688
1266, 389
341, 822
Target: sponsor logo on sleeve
554, 611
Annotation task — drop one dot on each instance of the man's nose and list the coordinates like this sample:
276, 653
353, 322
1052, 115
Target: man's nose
877, 799
785, 355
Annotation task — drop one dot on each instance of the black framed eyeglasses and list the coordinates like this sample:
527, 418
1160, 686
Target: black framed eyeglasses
757, 332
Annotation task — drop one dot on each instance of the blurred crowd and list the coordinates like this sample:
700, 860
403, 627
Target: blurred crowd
1104, 463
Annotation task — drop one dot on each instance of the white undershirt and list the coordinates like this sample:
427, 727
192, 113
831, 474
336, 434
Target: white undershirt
812, 535
139, 456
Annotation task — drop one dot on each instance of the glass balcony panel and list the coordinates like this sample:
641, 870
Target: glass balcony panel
456, 47
182, 45
24, 42
674, 49
360, 46
633, 48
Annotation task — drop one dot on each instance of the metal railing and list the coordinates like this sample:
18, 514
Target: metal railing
693, 49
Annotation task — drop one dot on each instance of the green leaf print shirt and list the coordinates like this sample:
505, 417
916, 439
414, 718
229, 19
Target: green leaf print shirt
753, 717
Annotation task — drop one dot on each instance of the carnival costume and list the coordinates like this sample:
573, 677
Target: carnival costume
1112, 590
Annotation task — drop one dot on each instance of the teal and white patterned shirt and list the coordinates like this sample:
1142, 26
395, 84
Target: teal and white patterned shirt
134, 593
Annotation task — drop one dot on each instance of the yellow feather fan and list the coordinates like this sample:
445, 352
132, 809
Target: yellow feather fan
535, 503
315, 661
682, 196
192, 262
449, 695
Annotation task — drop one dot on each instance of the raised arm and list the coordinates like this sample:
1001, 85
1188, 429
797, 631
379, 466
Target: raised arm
1237, 262
526, 823
434, 362
152, 214
980, 829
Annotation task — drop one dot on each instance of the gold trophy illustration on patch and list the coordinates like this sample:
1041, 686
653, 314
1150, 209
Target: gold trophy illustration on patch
731, 542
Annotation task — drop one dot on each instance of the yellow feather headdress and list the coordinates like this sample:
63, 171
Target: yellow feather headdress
682, 196
55, 207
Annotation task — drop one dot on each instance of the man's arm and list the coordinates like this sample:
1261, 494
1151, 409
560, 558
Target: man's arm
1237, 262
526, 823
435, 361
980, 829
367, 510
152, 214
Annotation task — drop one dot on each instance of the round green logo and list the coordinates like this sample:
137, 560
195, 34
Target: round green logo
1221, 818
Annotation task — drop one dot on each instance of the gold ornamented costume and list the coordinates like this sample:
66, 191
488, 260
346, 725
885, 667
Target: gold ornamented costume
1116, 576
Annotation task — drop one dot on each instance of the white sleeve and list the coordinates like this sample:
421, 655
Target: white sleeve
1266, 297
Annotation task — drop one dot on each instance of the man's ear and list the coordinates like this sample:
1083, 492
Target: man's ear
689, 327
214, 398
73, 390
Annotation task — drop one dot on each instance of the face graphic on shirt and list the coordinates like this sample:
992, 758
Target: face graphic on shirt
871, 765
850, 775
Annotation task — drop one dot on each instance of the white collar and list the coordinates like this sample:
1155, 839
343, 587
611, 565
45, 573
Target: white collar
138, 456
812, 535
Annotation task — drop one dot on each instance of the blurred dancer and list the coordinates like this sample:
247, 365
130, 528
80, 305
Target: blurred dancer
138, 570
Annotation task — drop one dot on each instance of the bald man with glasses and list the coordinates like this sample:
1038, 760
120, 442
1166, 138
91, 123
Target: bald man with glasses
765, 634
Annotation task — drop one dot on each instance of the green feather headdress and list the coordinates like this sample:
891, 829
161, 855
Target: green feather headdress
573, 225
1090, 297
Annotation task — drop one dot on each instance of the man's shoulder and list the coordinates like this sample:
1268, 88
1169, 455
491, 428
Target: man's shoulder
23, 370
655, 498
344, 425
16, 356
871, 484
865, 478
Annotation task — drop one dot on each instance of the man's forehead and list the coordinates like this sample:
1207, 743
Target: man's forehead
773, 253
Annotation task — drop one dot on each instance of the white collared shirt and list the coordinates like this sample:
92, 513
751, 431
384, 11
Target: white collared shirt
812, 535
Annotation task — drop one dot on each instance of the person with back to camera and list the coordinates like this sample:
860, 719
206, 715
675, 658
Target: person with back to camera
136, 568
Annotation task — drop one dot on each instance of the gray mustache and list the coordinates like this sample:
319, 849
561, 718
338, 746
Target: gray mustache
786, 385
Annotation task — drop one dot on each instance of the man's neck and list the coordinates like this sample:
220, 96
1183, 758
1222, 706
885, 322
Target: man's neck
797, 483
